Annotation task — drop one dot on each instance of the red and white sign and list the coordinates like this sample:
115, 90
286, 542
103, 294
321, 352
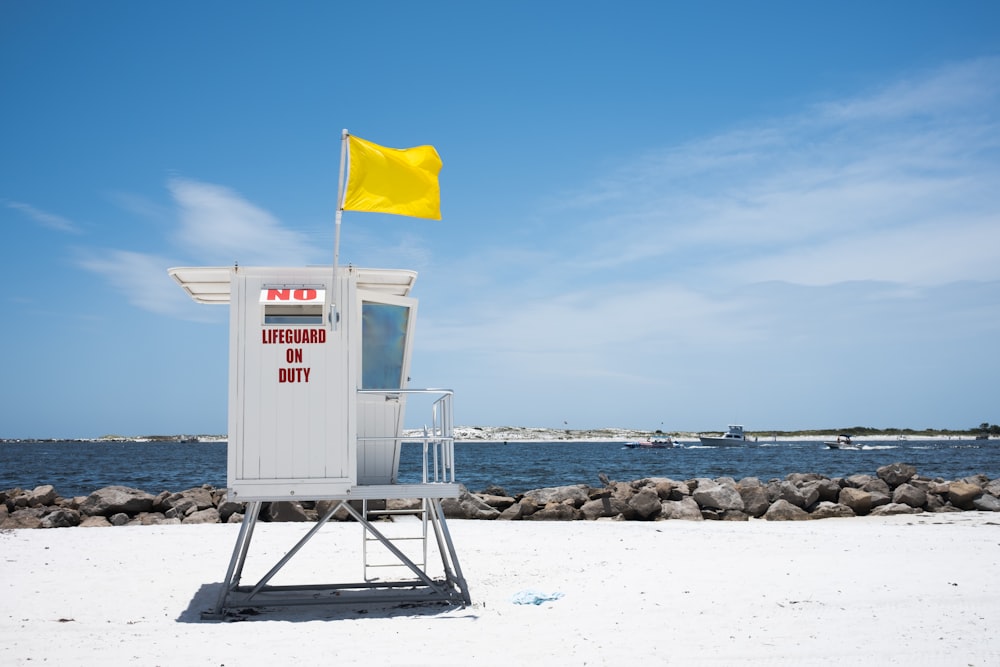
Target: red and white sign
292, 295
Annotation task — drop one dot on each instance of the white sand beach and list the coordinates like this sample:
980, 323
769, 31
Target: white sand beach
908, 590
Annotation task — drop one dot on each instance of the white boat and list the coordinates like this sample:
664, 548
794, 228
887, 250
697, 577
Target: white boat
732, 438
842, 442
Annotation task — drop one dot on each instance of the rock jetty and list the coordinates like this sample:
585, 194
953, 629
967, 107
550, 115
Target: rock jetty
894, 489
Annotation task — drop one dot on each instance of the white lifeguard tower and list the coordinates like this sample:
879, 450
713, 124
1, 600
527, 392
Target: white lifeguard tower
318, 365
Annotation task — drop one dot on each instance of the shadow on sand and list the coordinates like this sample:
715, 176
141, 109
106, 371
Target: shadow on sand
207, 595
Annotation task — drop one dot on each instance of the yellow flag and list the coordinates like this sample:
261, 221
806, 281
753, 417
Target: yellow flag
403, 181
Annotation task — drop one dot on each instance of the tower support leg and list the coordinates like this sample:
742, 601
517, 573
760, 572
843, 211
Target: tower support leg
452, 589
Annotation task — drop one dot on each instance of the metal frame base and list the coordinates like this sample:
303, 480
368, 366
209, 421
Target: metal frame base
452, 589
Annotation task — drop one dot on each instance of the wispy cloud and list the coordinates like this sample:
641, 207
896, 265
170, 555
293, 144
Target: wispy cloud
142, 279
44, 218
905, 169
759, 247
957, 88
218, 226
214, 226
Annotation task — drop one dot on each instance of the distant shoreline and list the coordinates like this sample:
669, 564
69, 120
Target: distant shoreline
505, 434
501, 434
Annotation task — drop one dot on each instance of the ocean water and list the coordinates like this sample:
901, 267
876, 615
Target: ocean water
78, 468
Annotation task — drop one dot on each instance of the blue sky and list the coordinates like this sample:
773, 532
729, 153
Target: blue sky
655, 214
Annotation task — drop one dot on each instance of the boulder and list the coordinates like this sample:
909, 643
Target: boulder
499, 503
716, 496
95, 522
116, 499
827, 489
528, 506
555, 512
119, 519
160, 499
907, 494
322, 508
203, 496
227, 508
879, 491
705, 482
782, 510
181, 508
679, 491
42, 495
858, 481
467, 506
800, 478
575, 494
513, 513
895, 474
879, 499
646, 504
773, 490
278, 511
986, 503
621, 490
608, 506
61, 518
755, 499
26, 517
895, 508
938, 488
827, 510
186, 502
860, 502
979, 480
963, 494
211, 515
685, 509
403, 504
876, 486
801, 497
936, 503
665, 487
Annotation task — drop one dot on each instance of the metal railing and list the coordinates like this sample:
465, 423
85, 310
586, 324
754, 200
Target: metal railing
438, 438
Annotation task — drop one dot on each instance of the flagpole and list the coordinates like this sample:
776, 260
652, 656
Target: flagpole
336, 236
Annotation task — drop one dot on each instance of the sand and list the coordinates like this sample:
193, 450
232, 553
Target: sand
908, 590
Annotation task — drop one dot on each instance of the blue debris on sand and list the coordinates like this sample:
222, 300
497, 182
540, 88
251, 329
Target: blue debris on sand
534, 597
